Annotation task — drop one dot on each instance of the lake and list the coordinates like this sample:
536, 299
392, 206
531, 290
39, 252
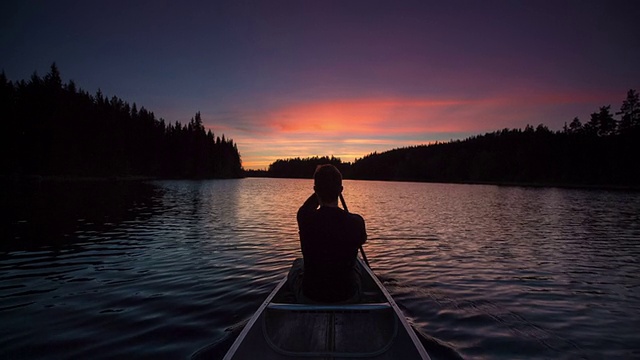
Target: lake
173, 269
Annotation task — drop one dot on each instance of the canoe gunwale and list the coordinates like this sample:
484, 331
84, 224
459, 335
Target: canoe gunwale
400, 316
236, 344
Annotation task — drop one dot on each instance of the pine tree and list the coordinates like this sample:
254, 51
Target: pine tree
630, 111
575, 127
53, 78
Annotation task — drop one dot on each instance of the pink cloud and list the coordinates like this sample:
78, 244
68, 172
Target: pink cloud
352, 128
364, 116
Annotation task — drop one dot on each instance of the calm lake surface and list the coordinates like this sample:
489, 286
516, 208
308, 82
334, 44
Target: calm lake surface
173, 269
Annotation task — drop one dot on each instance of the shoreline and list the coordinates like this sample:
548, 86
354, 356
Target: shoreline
133, 178
610, 187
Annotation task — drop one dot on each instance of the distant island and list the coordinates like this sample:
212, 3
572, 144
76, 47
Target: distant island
52, 129
603, 152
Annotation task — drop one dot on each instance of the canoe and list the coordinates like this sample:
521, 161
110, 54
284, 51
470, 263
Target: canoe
372, 329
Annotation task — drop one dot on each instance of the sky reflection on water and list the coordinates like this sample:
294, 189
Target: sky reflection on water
165, 269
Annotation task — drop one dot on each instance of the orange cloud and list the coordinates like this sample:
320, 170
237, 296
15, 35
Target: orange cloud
365, 116
352, 128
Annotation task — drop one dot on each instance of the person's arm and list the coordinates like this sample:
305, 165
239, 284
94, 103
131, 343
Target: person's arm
359, 229
310, 205
304, 215
363, 233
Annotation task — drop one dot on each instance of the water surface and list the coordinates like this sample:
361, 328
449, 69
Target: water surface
169, 268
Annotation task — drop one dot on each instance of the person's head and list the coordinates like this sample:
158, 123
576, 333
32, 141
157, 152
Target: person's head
327, 183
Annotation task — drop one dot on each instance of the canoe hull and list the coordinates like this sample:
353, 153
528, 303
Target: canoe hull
373, 329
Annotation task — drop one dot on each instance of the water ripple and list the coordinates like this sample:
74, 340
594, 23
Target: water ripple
173, 267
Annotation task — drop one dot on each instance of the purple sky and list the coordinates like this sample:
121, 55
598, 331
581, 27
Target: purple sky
342, 78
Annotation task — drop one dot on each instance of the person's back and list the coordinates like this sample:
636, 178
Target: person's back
329, 238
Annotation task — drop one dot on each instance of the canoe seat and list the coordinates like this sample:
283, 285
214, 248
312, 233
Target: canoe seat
328, 307
312, 330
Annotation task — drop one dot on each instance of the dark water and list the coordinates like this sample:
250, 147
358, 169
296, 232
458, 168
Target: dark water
167, 269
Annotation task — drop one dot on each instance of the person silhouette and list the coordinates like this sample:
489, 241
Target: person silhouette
329, 239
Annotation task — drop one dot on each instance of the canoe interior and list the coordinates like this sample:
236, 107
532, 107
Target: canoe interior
370, 329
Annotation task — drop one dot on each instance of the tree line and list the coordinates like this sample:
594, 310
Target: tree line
55, 129
602, 152
304, 167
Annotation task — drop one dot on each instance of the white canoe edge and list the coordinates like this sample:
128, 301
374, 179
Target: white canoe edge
399, 314
236, 344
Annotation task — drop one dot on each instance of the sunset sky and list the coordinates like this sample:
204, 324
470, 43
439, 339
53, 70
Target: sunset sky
344, 78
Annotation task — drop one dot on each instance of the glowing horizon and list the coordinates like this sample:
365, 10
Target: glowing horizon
350, 129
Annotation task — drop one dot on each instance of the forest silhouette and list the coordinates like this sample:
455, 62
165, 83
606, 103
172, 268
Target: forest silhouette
603, 152
56, 129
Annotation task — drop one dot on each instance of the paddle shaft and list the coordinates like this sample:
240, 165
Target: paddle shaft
364, 256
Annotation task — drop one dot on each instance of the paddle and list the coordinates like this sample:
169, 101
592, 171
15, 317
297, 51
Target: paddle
364, 256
